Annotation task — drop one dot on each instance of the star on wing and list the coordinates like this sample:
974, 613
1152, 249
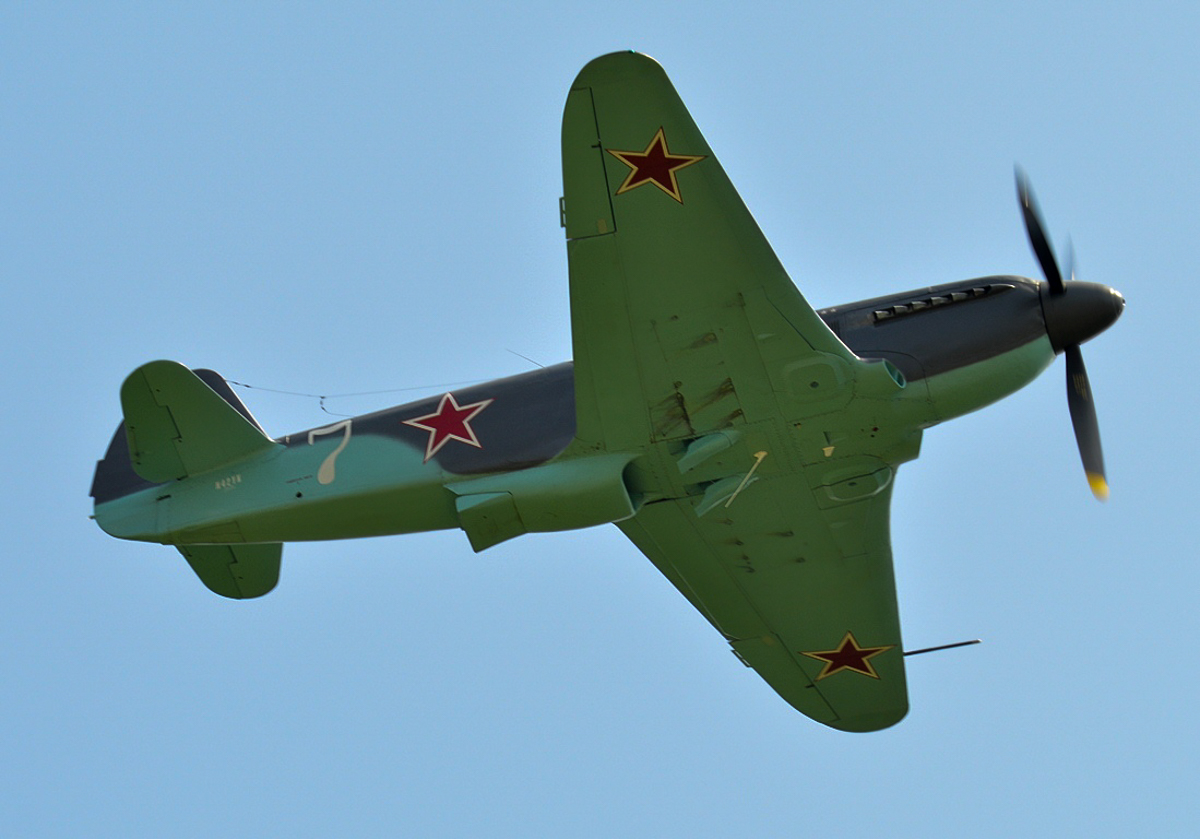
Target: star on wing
848, 655
450, 421
656, 165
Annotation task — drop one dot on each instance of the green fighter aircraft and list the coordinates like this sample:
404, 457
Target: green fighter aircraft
744, 442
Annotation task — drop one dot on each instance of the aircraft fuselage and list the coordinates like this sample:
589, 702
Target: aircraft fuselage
959, 346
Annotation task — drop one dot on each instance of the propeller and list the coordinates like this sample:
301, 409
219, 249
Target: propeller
1074, 312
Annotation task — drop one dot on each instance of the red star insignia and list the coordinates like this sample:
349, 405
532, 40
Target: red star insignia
450, 421
848, 656
656, 165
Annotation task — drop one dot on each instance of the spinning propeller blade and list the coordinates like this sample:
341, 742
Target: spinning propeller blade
1076, 318
1083, 418
1036, 229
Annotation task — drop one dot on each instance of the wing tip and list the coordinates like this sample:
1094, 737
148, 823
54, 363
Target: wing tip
873, 721
615, 66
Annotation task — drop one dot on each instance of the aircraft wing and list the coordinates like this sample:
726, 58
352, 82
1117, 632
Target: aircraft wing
764, 474
815, 617
659, 244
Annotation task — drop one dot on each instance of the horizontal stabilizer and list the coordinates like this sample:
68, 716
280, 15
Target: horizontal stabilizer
178, 426
236, 571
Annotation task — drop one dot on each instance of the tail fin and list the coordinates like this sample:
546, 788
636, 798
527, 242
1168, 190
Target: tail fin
178, 425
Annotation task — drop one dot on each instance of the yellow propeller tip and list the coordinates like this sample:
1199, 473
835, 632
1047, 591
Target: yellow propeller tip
1099, 486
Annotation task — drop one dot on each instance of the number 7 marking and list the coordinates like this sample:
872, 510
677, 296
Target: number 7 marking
326, 473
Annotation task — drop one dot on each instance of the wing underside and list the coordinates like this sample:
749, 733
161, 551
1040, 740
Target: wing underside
693, 347
664, 254
811, 608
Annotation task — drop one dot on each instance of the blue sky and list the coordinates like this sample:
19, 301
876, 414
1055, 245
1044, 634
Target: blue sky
366, 198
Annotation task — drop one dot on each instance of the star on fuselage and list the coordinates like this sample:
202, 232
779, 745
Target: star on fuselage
450, 421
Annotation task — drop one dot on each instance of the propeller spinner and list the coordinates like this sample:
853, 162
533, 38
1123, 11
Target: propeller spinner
1074, 312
